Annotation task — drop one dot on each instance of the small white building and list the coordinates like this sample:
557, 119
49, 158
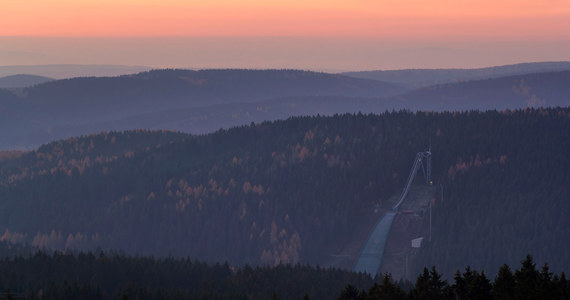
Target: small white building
417, 243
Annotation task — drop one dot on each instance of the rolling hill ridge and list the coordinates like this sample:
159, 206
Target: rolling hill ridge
204, 101
418, 78
549, 89
21, 81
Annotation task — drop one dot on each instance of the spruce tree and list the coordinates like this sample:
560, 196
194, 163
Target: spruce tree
527, 280
504, 285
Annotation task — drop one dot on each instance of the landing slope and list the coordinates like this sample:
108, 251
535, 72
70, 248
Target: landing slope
371, 257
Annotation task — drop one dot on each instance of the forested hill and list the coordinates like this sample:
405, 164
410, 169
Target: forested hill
498, 206
129, 95
300, 189
204, 101
417, 78
70, 107
549, 89
22, 80
60, 71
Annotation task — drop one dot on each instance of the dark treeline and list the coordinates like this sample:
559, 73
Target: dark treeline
525, 283
99, 275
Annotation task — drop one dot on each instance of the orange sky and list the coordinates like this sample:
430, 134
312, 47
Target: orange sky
384, 18
308, 34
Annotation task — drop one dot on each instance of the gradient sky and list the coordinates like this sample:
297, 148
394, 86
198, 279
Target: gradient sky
317, 34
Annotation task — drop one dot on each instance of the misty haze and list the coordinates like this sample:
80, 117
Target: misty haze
286, 150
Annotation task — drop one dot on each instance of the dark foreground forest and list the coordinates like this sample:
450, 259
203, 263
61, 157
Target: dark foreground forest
100, 275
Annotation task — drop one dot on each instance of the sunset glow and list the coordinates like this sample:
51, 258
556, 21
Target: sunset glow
318, 34
403, 18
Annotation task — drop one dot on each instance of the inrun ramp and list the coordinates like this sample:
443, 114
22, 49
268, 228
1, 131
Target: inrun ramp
371, 256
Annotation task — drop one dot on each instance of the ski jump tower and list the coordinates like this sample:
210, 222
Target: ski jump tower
421, 157
371, 255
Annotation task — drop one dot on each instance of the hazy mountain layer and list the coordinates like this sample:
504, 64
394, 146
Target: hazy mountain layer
21, 81
512, 92
204, 101
417, 78
114, 97
87, 102
60, 71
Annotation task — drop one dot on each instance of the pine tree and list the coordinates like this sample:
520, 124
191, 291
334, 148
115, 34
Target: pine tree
459, 288
351, 293
429, 286
480, 289
527, 280
563, 287
504, 285
387, 290
546, 285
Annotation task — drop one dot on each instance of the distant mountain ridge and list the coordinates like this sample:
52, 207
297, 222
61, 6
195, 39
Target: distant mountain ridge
417, 78
186, 88
22, 80
61, 71
549, 89
204, 101
85, 100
